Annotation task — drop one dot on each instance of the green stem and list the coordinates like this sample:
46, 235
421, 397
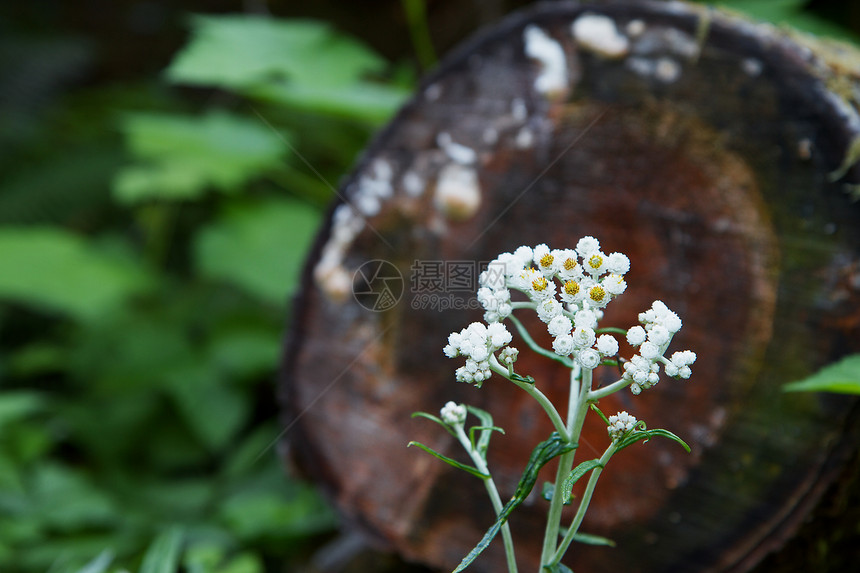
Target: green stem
596, 395
493, 492
577, 409
583, 505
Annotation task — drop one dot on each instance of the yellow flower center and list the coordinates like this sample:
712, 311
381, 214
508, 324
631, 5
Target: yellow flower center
539, 284
571, 287
596, 293
595, 261
546, 260
569, 264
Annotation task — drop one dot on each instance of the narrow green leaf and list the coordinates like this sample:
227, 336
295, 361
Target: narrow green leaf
591, 539
163, 555
99, 564
574, 476
470, 469
436, 419
599, 413
487, 428
557, 568
524, 379
635, 436
842, 377
544, 452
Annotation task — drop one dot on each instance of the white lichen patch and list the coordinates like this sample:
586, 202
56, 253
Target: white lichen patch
539, 46
657, 41
329, 273
635, 28
433, 92
413, 184
525, 138
665, 70
457, 152
458, 193
373, 188
519, 111
752, 67
490, 136
599, 34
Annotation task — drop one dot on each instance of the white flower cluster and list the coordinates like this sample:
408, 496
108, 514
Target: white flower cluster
569, 288
620, 424
477, 342
454, 414
659, 326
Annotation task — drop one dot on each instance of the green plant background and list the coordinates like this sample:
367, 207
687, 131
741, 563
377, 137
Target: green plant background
157, 198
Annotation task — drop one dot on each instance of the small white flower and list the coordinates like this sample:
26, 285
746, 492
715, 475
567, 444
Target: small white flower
481, 353
498, 335
583, 337
617, 263
464, 375
524, 256
659, 335
614, 284
548, 309
589, 358
451, 351
572, 291
679, 364
568, 266
585, 318
544, 260
636, 335
539, 287
587, 245
454, 414
607, 345
559, 325
594, 264
508, 355
649, 350
563, 345
620, 424
598, 297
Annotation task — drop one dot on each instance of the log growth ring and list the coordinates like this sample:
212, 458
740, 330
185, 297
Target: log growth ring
702, 146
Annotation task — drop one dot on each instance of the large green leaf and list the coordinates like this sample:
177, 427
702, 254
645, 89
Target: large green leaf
259, 247
237, 52
180, 157
214, 410
842, 377
56, 270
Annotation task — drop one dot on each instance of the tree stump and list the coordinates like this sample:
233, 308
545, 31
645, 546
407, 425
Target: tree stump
720, 155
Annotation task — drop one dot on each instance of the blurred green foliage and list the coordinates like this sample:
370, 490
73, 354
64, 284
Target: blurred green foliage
151, 239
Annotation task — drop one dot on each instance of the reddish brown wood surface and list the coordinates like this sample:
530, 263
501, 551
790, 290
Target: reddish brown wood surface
705, 152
